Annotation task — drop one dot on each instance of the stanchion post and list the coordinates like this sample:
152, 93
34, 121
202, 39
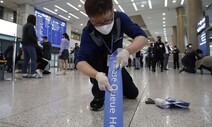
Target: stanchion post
14, 57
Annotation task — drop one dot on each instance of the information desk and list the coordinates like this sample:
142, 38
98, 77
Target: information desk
3, 61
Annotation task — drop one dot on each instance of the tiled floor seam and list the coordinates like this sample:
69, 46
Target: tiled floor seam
11, 124
137, 106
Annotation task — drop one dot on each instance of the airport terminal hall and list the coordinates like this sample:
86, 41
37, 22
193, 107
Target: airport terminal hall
105, 63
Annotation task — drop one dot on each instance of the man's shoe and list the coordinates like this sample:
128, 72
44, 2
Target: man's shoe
25, 76
35, 76
97, 104
46, 72
183, 69
39, 72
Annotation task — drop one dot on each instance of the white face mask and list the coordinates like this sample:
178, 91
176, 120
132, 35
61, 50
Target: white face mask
106, 28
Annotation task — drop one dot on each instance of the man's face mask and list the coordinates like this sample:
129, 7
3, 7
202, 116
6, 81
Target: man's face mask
105, 29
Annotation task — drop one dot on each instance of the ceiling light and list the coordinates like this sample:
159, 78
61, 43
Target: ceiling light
206, 5
120, 8
83, 13
115, 9
164, 13
81, 24
211, 37
50, 10
164, 25
73, 6
79, 6
55, 10
164, 28
164, 18
61, 8
150, 4
82, 1
116, 1
174, 1
134, 5
132, 0
142, 5
182, 2
164, 22
166, 3
74, 16
63, 17
69, 17
2, 1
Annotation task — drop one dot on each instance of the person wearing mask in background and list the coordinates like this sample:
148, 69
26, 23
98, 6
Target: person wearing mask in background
166, 55
75, 51
189, 48
100, 38
159, 50
150, 55
29, 44
188, 61
63, 54
176, 57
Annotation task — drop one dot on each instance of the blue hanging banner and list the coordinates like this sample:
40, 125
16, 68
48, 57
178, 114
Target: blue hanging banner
113, 109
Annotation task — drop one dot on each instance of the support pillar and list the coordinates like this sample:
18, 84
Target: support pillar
194, 14
180, 28
174, 36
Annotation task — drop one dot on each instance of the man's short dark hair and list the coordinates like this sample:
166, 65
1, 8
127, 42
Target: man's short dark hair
45, 37
97, 7
159, 37
199, 51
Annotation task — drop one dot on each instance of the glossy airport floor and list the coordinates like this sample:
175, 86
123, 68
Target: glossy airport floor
63, 101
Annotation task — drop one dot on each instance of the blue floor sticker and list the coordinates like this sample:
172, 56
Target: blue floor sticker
113, 111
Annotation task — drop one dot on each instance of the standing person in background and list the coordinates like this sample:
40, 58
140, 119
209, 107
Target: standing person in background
137, 60
166, 55
63, 54
75, 51
150, 55
176, 57
100, 38
29, 44
159, 50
